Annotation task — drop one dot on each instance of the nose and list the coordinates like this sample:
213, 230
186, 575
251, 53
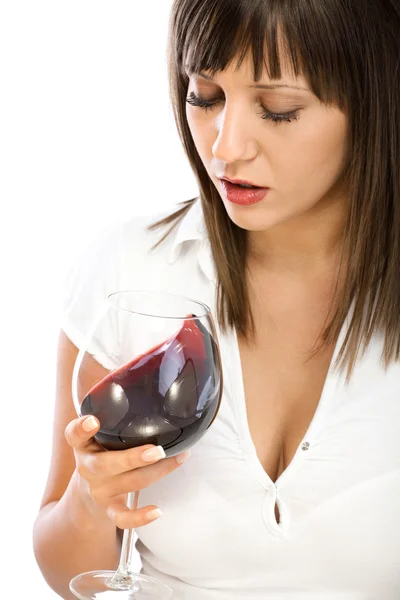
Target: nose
235, 136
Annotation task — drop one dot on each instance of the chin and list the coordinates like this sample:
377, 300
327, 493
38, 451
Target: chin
254, 217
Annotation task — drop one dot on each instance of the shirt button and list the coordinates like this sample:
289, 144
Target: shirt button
305, 446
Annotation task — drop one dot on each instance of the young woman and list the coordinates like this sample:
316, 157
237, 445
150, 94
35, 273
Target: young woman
293, 492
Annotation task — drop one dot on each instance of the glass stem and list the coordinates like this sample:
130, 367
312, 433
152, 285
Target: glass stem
123, 575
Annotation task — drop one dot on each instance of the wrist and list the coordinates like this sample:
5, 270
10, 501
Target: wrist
83, 514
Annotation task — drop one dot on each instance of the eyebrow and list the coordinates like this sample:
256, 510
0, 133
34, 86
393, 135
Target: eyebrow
269, 86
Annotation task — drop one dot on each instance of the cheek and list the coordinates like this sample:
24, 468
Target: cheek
316, 157
201, 135
194, 128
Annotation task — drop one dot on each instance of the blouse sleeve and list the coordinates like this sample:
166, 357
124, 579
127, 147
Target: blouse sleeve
95, 275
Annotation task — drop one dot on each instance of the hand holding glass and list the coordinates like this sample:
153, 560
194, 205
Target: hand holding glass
150, 371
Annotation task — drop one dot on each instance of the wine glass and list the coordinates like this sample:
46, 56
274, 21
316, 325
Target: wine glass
150, 371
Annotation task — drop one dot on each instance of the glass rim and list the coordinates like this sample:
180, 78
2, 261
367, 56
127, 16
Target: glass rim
206, 308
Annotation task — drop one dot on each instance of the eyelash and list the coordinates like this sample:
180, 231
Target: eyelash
277, 118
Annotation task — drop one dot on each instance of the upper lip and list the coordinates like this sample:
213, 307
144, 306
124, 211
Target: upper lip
241, 181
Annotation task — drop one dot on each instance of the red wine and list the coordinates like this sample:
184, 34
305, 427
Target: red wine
168, 396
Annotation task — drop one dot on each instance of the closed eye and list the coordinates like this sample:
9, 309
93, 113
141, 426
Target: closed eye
194, 100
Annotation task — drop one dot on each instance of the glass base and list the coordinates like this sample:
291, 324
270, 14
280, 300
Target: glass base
100, 585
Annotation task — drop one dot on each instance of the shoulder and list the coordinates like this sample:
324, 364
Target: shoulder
117, 245
124, 256
154, 242
168, 230
139, 234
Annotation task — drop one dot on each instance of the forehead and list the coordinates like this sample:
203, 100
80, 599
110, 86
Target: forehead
242, 66
244, 73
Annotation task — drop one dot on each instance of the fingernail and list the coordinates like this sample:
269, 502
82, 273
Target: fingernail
111, 513
182, 457
152, 515
89, 424
153, 454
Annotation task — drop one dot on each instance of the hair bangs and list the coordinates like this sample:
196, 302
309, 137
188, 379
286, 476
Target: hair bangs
287, 35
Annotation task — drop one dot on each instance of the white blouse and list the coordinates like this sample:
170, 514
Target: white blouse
218, 539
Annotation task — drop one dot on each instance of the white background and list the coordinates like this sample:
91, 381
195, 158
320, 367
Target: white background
87, 137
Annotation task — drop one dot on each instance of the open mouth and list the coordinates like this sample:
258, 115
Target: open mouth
243, 186
246, 187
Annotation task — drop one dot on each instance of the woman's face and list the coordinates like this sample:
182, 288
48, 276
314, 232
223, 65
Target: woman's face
300, 161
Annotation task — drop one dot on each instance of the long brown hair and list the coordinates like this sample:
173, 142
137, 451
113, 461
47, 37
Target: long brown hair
349, 52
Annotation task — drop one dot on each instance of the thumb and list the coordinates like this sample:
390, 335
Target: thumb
79, 432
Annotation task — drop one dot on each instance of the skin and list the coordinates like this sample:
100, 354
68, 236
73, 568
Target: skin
299, 224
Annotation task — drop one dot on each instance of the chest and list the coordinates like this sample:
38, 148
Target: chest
282, 393
282, 380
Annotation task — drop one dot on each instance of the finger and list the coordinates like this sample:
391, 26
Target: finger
121, 461
124, 518
138, 479
79, 432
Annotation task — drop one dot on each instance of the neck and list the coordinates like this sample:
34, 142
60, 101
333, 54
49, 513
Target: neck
303, 245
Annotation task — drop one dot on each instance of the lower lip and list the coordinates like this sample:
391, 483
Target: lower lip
242, 196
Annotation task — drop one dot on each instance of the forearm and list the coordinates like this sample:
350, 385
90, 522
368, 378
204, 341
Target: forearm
72, 537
